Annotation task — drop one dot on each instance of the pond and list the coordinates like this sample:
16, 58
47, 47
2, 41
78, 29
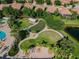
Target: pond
73, 31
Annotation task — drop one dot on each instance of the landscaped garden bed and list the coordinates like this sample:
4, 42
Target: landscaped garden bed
46, 38
19, 31
25, 23
19, 37
64, 48
38, 27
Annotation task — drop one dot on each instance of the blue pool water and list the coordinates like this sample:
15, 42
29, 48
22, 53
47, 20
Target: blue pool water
2, 35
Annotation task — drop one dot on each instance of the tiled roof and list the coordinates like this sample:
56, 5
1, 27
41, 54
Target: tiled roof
28, 5
75, 0
76, 9
51, 9
52, 1
64, 11
1, 6
28, 0
40, 7
65, 1
16, 5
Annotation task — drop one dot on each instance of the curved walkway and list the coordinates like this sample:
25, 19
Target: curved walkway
20, 53
45, 29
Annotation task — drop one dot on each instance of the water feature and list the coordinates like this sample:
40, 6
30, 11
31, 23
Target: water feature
2, 35
73, 31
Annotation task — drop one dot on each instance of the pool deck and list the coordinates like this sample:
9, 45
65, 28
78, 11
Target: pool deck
9, 39
2, 35
40, 52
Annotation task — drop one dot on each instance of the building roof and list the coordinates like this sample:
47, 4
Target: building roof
76, 9
28, 0
64, 11
16, 5
75, 0
65, 1
28, 5
51, 9
52, 1
40, 7
1, 6
6, 5
41, 52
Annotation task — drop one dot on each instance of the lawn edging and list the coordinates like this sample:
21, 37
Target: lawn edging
45, 29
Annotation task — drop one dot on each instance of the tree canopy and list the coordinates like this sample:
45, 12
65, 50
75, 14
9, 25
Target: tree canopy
57, 2
7, 11
26, 11
53, 21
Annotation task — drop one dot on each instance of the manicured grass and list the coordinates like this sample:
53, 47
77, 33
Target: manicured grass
25, 23
71, 22
46, 38
50, 35
54, 22
38, 27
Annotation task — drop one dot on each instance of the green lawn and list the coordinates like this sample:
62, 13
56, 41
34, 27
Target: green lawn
50, 35
71, 22
54, 22
25, 23
46, 38
38, 27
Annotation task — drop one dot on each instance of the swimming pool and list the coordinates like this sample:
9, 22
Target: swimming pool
2, 35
